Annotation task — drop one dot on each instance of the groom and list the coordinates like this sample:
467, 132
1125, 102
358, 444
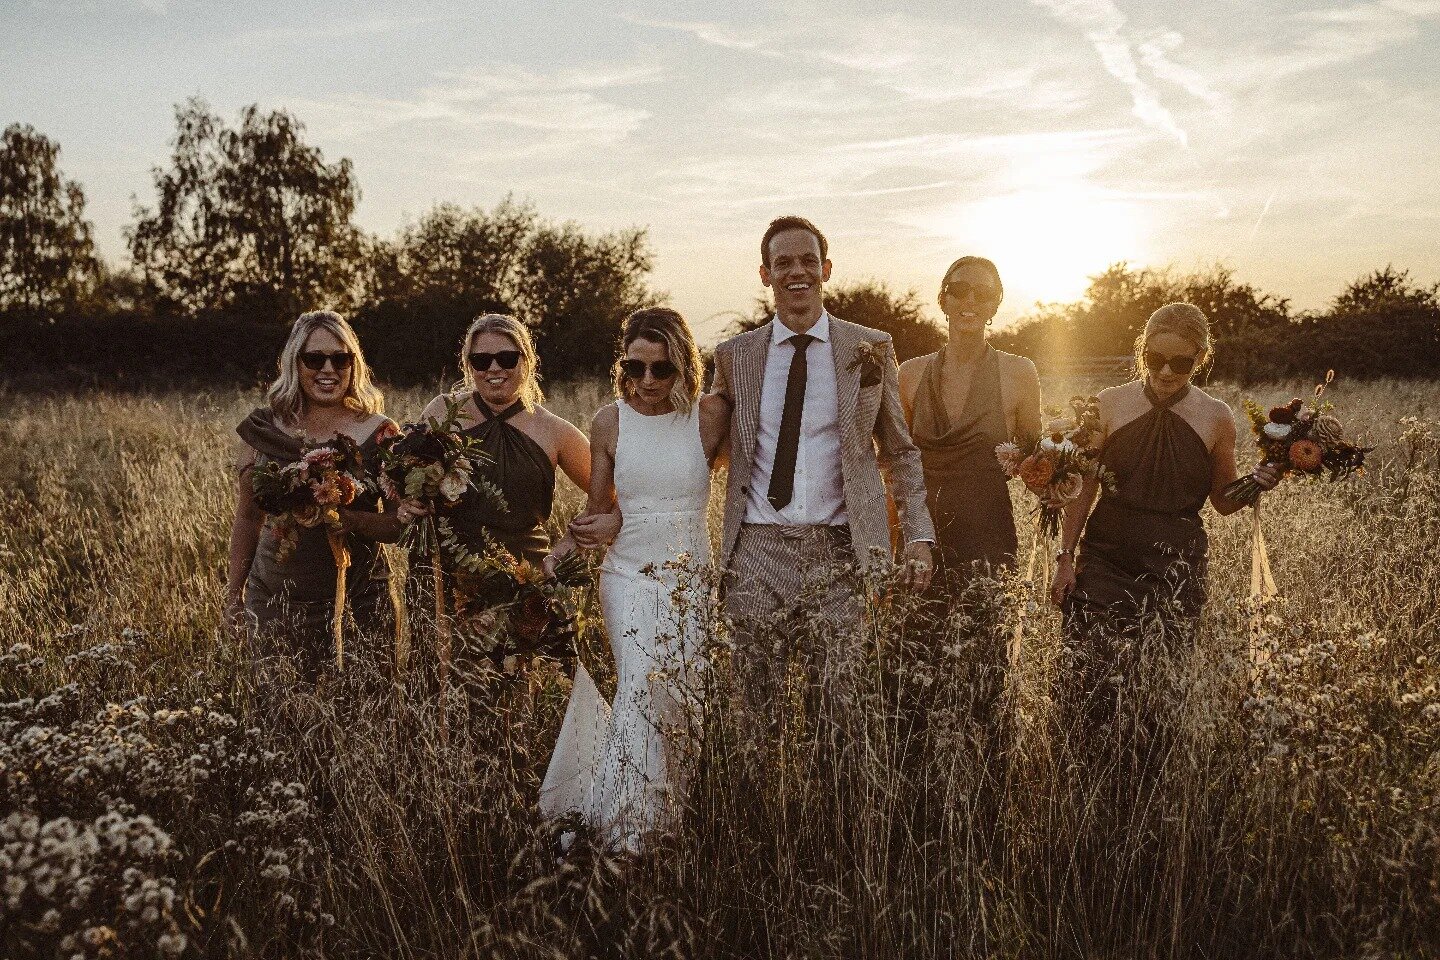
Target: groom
816, 423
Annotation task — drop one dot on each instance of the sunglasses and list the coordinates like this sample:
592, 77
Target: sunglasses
660, 369
1180, 364
508, 359
315, 359
960, 289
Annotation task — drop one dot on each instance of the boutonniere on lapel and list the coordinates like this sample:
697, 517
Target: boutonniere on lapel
869, 355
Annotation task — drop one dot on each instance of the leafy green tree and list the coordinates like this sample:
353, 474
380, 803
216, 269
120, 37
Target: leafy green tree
454, 251
871, 303
575, 289
249, 217
47, 252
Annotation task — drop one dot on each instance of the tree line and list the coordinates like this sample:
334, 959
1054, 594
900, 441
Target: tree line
249, 225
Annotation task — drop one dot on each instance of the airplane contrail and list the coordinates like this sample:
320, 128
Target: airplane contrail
1256, 229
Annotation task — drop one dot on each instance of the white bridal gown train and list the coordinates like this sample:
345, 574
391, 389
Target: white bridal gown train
621, 768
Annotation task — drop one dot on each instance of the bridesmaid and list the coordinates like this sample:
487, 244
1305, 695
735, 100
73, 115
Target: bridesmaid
961, 403
1171, 447
502, 402
323, 389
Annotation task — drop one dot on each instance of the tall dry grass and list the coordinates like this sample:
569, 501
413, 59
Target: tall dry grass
164, 792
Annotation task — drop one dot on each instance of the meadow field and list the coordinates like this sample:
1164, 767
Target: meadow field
162, 794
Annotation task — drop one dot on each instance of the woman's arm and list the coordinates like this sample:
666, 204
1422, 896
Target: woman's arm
244, 537
714, 427
1027, 410
1072, 523
1222, 467
1077, 512
910, 372
572, 452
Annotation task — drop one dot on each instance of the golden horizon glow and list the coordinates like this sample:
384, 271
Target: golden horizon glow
1049, 241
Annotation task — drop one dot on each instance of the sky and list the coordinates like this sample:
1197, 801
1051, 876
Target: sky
1294, 141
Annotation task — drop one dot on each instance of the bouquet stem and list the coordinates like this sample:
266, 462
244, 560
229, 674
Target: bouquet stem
1245, 491
442, 642
341, 553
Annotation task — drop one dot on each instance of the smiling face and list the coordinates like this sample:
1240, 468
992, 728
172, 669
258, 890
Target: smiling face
969, 299
649, 390
796, 274
497, 387
327, 386
1166, 381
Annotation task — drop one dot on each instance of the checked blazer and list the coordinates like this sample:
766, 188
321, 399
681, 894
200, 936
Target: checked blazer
875, 444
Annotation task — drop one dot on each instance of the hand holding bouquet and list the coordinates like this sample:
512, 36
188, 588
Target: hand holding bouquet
1298, 439
309, 492
432, 462
1056, 466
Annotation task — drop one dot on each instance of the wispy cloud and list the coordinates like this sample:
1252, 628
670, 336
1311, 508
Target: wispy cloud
506, 108
1107, 30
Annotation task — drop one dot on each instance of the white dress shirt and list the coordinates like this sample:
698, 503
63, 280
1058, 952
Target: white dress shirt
819, 497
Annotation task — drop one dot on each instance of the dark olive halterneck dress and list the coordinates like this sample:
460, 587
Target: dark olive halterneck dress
966, 489
294, 598
1144, 548
522, 471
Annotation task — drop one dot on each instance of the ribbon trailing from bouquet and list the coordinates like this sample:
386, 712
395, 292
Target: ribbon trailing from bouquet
1262, 587
341, 553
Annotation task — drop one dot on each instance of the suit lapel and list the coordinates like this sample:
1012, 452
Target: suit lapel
749, 380
847, 375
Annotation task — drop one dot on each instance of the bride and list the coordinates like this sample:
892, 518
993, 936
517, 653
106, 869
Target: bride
652, 450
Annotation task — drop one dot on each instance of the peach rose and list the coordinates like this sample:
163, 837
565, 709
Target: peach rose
1036, 471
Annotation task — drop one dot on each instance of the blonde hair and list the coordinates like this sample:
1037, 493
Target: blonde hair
287, 399
1182, 319
666, 327
507, 326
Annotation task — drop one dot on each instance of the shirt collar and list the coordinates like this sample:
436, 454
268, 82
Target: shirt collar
779, 333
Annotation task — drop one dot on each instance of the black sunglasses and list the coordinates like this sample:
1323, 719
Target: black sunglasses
959, 289
315, 359
508, 359
660, 369
1180, 364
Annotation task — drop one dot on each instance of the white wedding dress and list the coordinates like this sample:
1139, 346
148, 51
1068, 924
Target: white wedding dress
622, 768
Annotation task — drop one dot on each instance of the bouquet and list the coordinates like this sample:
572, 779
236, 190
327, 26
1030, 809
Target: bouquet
1057, 465
509, 611
1299, 439
307, 493
434, 462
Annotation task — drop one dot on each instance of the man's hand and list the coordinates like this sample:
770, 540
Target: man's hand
596, 530
918, 565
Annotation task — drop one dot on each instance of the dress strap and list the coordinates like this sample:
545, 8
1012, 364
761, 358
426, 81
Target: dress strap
502, 415
1167, 403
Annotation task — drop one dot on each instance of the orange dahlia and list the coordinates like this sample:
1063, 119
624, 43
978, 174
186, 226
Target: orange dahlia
1036, 472
1306, 455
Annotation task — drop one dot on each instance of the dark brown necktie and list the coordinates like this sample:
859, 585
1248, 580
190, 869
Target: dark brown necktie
782, 476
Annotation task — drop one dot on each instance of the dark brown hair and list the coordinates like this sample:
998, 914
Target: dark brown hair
780, 225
